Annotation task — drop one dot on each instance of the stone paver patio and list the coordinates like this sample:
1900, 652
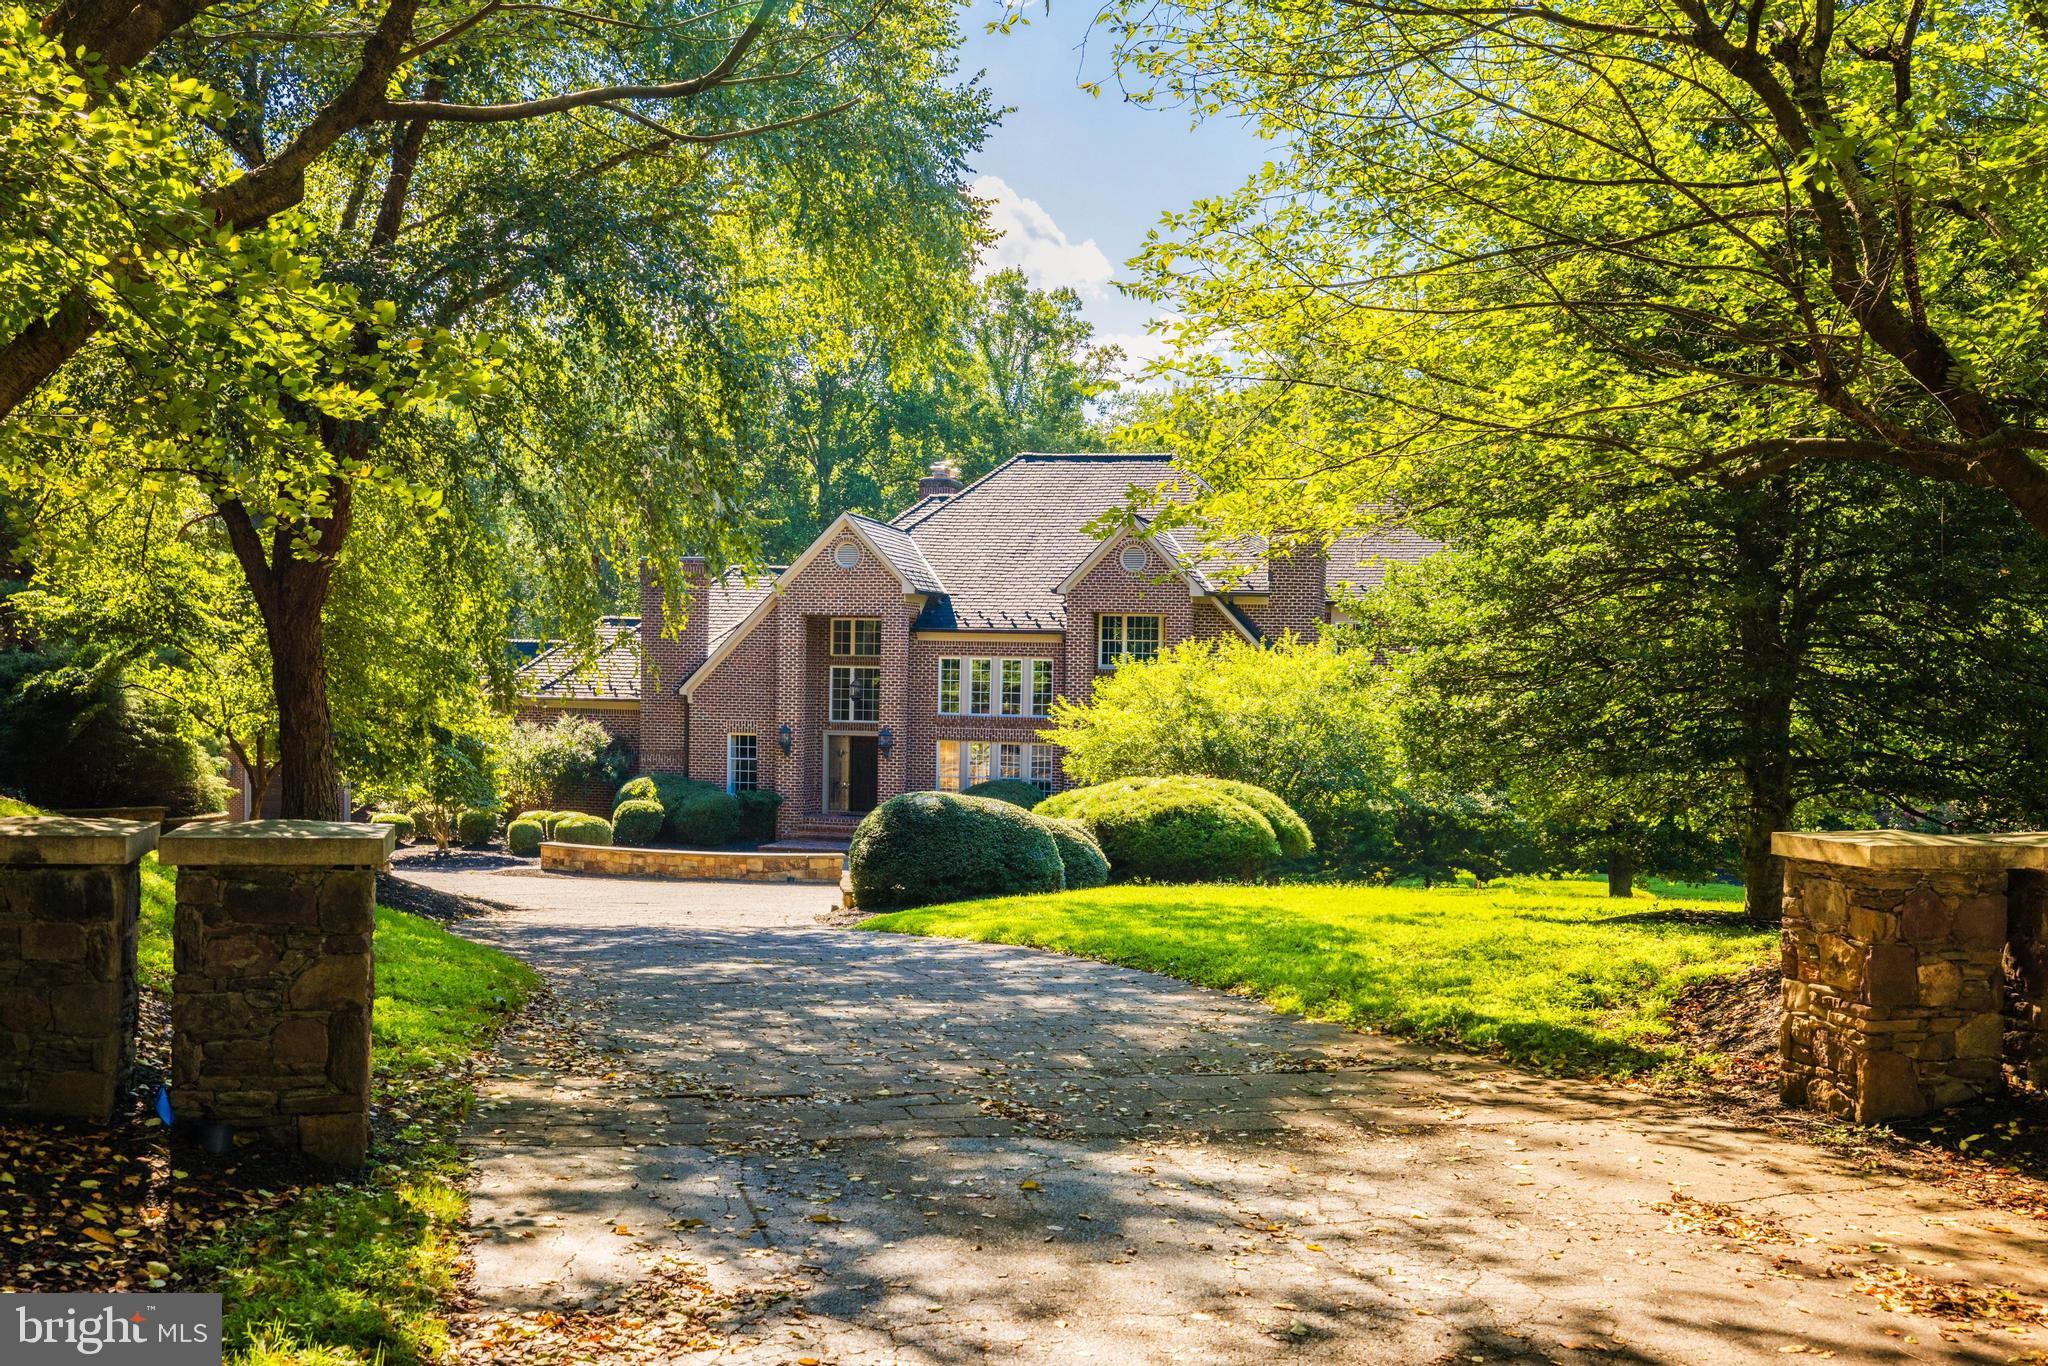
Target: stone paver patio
952, 1152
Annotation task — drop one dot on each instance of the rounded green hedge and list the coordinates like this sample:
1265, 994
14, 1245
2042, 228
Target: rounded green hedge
544, 819
1288, 827
577, 828
758, 810
1170, 829
475, 827
1080, 856
923, 848
1015, 791
398, 819
524, 835
708, 818
637, 822
640, 789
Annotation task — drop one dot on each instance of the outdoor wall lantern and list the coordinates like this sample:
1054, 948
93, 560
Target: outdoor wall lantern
785, 738
885, 740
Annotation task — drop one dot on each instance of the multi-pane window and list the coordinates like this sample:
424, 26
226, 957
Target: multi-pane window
856, 637
742, 763
856, 693
995, 687
980, 676
1013, 687
963, 763
1126, 637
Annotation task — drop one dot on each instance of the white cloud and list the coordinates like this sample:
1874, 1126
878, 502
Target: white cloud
1032, 241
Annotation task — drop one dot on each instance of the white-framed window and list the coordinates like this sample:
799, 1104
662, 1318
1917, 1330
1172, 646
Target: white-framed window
1043, 761
742, 763
980, 687
856, 693
856, 637
949, 687
1012, 697
963, 763
1041, 687
1120, 637
995, 687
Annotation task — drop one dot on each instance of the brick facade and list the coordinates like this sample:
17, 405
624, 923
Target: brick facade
665, 661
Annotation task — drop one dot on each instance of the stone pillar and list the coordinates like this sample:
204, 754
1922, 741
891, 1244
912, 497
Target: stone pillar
2026, 959
270, 1004
70, 898
1892, 951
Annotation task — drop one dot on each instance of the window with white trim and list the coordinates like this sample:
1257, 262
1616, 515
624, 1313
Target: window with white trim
856, 693
742, 763
980, 687
963, 763
995, 687
856, 637
1121, 637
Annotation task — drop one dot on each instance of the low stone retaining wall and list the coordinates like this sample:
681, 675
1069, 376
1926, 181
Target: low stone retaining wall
695, 865
70, 898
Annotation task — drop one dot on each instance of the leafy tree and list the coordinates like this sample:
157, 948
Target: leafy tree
1647, 668
1768, 236
394, 351
1029, 367
1310, 722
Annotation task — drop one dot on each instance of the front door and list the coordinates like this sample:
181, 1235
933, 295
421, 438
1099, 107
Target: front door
850, 764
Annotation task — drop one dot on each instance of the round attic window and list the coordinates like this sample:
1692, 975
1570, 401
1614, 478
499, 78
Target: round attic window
1134, 559
846, 554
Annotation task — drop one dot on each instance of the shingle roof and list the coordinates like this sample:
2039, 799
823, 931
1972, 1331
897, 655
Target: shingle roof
556, 673
1003, 545
903, 554
1361, 562
732, 598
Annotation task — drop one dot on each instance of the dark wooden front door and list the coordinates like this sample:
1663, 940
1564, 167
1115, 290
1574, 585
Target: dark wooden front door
850, 762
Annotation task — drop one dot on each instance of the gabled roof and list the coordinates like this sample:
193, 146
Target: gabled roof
902, 554
1003, 544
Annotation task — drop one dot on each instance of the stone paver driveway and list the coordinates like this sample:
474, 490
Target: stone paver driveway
950, 1152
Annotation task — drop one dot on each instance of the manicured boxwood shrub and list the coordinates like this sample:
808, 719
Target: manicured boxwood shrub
1082, 858
637, 822
1170, 829
544, 819
1288, 827
475, 827
1015, 791
708, 818
523, 836
577, 828
927, 847
399, 819
757, 814
640, 789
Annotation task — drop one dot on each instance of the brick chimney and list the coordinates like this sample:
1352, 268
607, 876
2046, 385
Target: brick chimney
1297, 571
665, 662
942, 482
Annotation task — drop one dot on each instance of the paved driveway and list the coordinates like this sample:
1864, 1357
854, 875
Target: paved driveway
947, 1152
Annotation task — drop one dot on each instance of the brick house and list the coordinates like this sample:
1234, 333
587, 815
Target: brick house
925, 651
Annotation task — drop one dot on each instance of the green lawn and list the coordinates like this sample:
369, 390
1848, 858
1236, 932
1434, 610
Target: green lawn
1549, 973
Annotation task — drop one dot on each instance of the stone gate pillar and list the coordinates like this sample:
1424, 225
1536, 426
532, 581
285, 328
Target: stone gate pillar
1893, 946
70, 897
270, 1004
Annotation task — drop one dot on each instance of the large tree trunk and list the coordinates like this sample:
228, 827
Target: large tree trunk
1770, 636
308, 786
1621, 873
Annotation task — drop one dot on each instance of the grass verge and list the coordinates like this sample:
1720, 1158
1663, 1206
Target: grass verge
1551, 974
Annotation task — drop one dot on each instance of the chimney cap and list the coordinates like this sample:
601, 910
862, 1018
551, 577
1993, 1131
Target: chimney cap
942, 482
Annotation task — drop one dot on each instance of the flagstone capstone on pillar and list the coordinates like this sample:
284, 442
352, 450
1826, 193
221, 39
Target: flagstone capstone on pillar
270, 1001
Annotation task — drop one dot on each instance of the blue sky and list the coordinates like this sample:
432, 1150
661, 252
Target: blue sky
1078, 180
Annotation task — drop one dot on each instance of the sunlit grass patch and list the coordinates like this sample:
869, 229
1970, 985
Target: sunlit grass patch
1551, 973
